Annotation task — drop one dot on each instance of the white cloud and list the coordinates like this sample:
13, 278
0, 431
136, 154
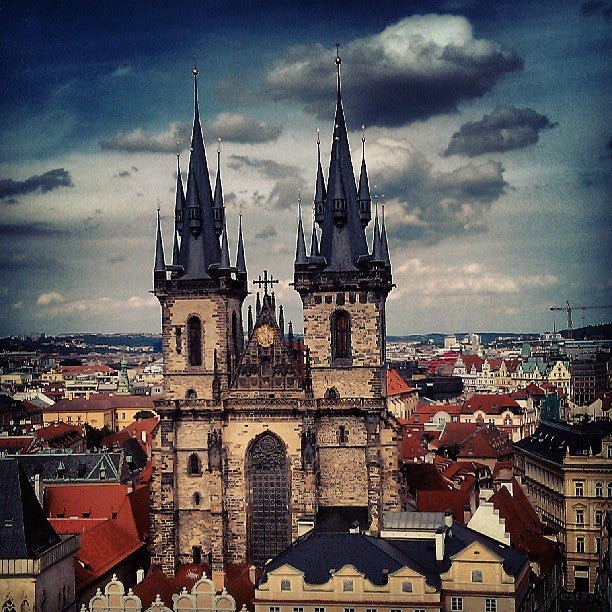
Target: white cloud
44, 299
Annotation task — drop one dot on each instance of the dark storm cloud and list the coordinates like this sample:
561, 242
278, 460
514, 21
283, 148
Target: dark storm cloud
266, 167
418, 68
59, 177
234, 127
34, 229
596, 8
506, 128
434, 205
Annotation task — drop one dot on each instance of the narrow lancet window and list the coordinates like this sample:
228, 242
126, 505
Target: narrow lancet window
341, 335
194, 332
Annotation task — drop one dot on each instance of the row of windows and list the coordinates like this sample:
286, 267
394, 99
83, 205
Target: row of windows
599, 489
348, 585
322, 609
457, 605
580, 517
581, 545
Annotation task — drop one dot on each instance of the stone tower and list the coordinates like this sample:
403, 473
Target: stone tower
260, 433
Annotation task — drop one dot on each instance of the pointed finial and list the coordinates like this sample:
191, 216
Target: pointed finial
338, 62
362, 133
219, 145
178, 148
318, 136
195, 67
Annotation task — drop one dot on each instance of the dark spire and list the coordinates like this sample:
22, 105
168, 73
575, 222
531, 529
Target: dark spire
377, 254
290, 334
257, 305
281, 320
300, 251
343, 239
225, 256
365, 201
200, 244
314, 242
160, 262
320, 192
240, 260
250, 320
383, 240
179, 211
218, 208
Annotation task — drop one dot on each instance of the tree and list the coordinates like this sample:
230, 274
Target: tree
95, 435
143, 414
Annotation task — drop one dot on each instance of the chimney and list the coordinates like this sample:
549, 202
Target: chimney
139, 575
440, 535
354, 528
38, 488
252, 574
448, 518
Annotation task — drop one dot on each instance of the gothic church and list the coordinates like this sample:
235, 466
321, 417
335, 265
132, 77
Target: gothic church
261, 433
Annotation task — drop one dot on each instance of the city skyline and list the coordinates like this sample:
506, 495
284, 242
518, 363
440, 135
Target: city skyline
485, 139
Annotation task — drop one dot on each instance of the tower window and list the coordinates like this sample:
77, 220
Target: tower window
197, 555
341, 335
193, 466
177, 336
194, 333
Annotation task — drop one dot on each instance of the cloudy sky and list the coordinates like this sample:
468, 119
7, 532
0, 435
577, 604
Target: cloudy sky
488, 140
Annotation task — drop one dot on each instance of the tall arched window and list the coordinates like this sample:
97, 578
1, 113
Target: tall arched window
268, 496
341, 335
194, 335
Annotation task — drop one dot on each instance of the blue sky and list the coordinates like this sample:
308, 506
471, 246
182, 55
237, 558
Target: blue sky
488, 140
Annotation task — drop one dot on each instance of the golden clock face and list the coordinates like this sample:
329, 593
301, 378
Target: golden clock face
265, 335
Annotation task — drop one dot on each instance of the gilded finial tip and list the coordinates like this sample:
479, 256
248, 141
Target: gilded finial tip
195, 67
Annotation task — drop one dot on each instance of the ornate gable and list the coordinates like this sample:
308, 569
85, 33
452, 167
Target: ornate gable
269, 362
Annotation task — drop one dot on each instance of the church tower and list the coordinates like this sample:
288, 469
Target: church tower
342, 284
260, 434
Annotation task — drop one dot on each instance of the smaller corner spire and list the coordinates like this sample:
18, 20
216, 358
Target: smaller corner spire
365, 200
376, 241
320, 191
160, 262
225, 256
300, 251
281, 320
314, 242
383, 240
240, 259
250, 321
218, 206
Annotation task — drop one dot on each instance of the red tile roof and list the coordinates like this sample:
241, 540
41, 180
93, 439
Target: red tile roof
84, 500
103, 401
133, 430
490, 403
455, 433
472, 361
74, 525
396, 384
423, 476
441, 501
527, 532
60, 435
412, 446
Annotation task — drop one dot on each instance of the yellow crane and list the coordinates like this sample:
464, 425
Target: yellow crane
569, 309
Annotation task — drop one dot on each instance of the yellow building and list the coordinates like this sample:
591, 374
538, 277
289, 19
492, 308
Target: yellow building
421, 561
566, 471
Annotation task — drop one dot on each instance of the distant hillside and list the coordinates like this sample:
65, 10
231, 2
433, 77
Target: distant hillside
438, 339
601, 331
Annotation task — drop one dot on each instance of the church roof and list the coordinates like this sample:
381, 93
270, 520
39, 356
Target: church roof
25, 533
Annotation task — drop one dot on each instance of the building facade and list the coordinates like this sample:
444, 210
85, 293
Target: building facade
258, 431
567, 474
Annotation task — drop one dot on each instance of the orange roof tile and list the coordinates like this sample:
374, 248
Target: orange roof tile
84, 500
396, 384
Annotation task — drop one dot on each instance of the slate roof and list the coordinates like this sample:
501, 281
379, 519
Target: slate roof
25, 533
316, 554
84, 467
552, 440
341, 518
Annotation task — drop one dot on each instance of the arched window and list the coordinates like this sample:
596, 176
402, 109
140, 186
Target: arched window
269, 492
341, 335
598, 489
194, 335
196, 499
193, 467
610, 489
191, 394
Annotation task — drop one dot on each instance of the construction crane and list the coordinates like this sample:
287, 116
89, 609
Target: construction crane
569, 309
